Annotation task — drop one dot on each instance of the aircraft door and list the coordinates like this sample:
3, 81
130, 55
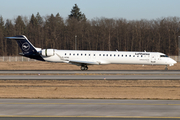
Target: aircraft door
166, 60
153, 59
94, 56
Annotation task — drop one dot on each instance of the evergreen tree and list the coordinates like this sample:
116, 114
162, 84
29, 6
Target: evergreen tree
40, 30
9, 31
1, 35
33, 21
20, 26
39, 19
32, 29
76, 14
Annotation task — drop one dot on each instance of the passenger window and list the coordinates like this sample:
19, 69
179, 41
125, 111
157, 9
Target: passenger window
141, 55
78, 54
114, 55
129, 55
163, 56
65, 53
118, 55
85, 54
122, 55
99, 54
89, 54
94, 55
133, 55
69, 53
110, 54
74, 54
106, 54
103, 54
126, 55
81, 54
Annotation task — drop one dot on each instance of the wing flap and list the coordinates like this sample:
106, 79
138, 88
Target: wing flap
79, 62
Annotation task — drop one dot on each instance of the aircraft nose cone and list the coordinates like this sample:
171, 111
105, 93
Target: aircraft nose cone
173, 62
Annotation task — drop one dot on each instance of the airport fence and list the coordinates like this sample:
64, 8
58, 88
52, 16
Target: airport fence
15, 58
24, 59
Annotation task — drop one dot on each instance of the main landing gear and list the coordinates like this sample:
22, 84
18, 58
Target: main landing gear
166, 68
84, 67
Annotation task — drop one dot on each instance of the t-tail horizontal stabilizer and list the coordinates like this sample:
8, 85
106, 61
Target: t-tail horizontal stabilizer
27, 48
24, 44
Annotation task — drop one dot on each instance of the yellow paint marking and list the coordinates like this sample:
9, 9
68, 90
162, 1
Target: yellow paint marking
90, 104
88, 116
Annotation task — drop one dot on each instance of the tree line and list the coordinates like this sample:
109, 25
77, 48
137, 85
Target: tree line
52, 31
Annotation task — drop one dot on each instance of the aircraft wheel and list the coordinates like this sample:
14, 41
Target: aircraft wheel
86, 68
166, 68
83, 68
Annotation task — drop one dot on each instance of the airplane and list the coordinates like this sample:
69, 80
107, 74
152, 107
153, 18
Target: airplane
84, 58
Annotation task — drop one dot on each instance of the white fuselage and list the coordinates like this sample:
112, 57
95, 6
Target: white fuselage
84, 58
110, 57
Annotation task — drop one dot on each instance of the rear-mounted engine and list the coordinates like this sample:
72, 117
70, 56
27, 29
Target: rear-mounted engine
47, 52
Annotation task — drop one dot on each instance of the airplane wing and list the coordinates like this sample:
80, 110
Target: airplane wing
87, 62
80, 62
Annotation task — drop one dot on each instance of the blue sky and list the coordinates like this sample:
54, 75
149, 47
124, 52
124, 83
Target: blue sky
127, 9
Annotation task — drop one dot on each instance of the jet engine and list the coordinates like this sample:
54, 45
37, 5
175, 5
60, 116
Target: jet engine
47, 52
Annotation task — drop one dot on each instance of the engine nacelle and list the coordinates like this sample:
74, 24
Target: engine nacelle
47, 52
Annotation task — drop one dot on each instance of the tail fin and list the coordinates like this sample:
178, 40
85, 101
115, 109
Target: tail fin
26, 46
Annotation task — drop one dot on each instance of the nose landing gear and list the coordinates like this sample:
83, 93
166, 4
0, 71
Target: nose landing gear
166, 68
84, 67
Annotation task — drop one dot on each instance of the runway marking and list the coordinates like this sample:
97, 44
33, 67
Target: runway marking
88, 116
90, 104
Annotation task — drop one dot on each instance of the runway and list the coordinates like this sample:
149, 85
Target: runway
89, 77
90, 72
80, 109
90, 108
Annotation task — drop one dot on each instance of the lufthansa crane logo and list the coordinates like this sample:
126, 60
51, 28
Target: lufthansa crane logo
25, 46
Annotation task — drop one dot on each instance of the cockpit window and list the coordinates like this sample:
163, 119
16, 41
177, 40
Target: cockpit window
163, 56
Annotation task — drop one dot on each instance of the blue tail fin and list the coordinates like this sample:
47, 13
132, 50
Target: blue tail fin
27, 48
24, 44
